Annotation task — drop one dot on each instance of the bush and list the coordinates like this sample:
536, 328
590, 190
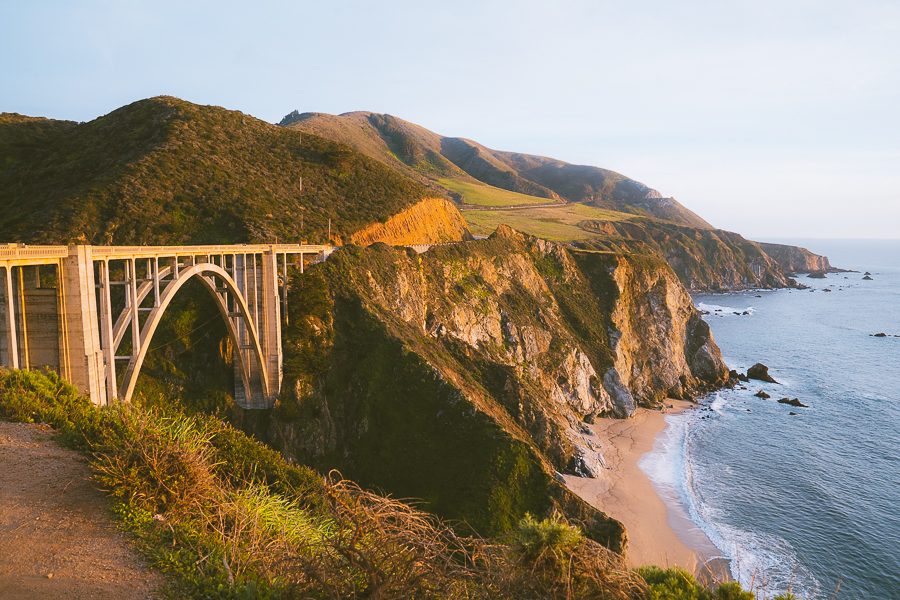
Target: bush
678, 584
553, 536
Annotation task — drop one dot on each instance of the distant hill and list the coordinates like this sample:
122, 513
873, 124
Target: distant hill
430, 157
165, 171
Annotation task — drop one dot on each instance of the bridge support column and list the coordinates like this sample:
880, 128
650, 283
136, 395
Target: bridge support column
12, 342
79, 327
271, 325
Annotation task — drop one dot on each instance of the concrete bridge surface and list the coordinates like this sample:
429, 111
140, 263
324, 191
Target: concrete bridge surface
80, 309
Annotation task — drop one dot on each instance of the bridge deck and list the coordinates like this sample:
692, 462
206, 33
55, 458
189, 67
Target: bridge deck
20, 255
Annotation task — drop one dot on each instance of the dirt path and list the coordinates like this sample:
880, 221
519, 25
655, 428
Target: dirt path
56, 538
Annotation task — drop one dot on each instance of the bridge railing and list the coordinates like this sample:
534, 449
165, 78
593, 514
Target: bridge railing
18, 252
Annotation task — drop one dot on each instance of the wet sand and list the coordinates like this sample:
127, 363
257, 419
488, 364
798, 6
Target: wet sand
659, 530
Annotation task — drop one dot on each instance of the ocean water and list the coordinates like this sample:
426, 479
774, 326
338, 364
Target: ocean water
808, 502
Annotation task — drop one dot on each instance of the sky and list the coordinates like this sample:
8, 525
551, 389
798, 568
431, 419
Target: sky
772, 118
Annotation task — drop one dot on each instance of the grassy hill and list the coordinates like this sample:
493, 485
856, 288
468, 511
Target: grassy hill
453, 162
481, 194
165, 171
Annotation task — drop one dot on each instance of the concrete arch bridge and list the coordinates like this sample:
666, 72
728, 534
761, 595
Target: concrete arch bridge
71, 308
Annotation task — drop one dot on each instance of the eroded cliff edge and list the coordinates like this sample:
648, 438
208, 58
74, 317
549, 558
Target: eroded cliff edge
430, 221
707, 259
463, 376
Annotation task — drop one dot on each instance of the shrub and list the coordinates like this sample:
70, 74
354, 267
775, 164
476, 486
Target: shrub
678, 584
553, 536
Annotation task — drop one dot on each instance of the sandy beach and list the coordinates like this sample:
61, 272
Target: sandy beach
659, 530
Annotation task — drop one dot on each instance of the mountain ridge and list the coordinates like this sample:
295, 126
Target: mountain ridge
424, 154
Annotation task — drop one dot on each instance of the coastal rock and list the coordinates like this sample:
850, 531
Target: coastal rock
738, 376
867, 278
794, 402
762, 394
760, 372
817, 275
619, 394
880, 335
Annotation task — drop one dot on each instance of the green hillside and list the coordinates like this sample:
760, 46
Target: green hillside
432, 158
165, 171
559, 223
481, 194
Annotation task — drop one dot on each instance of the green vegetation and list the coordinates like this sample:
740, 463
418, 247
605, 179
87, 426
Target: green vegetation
224, 517
165, 171
482, 194
429, 157
561, 223
678, 584
188, 368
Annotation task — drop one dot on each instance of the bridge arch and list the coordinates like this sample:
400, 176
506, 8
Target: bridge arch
206, 273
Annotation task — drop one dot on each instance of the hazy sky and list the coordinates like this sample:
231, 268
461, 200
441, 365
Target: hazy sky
769, 118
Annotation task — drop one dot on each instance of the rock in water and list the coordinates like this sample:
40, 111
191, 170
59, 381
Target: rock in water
817, 275
738, 376
762, 394
794, 402
761, 372
867, 278
880, 335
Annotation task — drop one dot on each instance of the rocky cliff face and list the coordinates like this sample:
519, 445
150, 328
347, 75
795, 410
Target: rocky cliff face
431, 221
703, 259
463, 375
795, 259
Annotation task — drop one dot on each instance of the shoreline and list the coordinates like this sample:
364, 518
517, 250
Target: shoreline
658, 527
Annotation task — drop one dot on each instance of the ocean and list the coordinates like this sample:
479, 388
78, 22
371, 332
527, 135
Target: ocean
808, 502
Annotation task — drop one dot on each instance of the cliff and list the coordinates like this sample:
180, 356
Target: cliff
797, 260
703, 259
431, 221
462, 376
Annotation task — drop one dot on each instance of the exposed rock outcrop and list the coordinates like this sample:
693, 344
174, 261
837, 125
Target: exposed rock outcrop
794, 402
760, 372
796, 259
431, 221
463, 375
703, 259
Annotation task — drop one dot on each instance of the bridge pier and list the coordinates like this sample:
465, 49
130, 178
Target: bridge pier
81, 357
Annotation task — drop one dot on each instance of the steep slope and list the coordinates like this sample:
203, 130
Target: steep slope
167, 171
401, 145
703, 259
431, 221
462, 375
797, 260
413, 149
